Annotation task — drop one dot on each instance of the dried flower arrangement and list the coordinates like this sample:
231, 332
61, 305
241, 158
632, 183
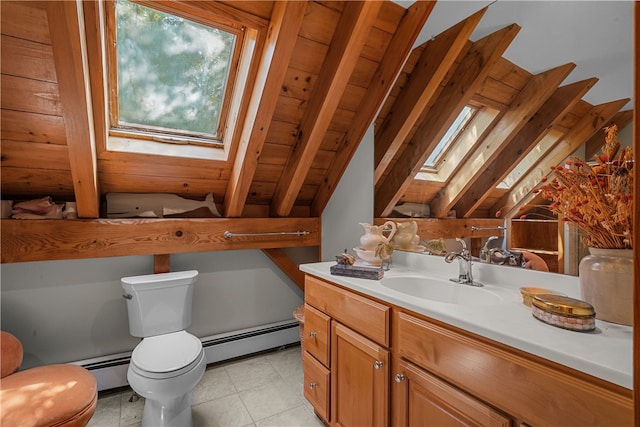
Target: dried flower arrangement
597, 197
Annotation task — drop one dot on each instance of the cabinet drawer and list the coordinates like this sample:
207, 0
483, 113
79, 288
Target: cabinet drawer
529, 388
367, 317
316, 385
316, 334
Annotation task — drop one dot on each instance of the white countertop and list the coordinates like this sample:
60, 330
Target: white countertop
606, 353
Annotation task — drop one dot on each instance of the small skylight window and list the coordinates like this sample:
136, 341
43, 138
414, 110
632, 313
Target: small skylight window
452, 133
172, 75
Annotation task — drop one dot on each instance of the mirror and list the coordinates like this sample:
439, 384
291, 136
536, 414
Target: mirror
530, 110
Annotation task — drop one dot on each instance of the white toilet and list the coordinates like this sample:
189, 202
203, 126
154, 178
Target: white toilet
169, 362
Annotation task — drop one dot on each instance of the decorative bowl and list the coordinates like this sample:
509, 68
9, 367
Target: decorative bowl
368, 256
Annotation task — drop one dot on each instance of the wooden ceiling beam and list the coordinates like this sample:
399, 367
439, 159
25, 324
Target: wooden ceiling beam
464, 83
390, 67
52, 239
559, 103
354, 26
70, 57
436, 60
434, 228
539, 88
282, 35
287, 265
584, 129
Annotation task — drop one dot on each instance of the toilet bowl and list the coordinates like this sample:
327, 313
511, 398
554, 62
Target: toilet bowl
169, 362
164, 370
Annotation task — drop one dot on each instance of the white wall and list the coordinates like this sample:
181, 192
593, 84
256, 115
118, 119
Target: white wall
65, 311
625, 135
350, 204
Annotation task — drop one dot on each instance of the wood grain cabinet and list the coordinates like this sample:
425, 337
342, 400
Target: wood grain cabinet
422, 399
357, 370
360, 380
497, 385
440, 375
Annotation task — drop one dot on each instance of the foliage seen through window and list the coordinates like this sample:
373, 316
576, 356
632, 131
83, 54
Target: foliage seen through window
171, 72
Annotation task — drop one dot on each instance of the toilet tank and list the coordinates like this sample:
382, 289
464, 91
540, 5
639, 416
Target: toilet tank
159, 303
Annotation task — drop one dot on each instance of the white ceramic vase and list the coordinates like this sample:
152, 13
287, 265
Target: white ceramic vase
606, 282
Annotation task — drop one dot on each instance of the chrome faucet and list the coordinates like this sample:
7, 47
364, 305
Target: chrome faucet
465, 276
486, 252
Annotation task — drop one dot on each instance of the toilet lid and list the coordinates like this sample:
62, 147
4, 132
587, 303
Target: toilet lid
166, 353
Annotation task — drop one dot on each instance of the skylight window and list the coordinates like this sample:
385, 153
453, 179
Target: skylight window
451, 135
172, 74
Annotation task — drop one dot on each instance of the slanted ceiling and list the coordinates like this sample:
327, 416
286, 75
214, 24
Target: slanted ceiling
323, 73
539, 123
325, 70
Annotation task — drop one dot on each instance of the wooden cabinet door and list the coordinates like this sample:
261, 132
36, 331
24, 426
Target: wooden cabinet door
421, 399
359, 380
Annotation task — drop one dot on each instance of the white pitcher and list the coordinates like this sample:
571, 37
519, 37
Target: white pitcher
373, 234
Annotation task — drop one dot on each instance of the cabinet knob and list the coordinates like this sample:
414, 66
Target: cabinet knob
378, 364
312, 385
399, 378
312, 334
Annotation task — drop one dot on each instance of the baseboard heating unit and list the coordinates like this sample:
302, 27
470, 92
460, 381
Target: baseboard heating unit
111, 371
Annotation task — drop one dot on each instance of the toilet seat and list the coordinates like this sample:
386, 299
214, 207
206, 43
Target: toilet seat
168, 355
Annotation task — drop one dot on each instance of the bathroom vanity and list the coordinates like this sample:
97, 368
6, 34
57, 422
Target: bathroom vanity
415, 349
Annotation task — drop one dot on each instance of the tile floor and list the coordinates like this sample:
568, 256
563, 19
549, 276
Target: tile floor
263, 390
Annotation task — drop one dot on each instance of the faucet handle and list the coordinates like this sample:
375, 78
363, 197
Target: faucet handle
485, 252
489, 240
464, 245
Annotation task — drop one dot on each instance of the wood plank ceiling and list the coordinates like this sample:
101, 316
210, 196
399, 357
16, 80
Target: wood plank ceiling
533, 114
324, 70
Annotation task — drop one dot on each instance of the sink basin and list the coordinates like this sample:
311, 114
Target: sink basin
442, 291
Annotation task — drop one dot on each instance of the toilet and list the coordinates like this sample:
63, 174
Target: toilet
169, 362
